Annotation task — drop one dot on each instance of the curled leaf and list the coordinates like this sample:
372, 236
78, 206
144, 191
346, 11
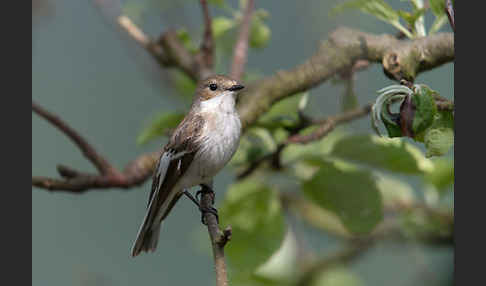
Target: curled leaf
380, 109
417, 110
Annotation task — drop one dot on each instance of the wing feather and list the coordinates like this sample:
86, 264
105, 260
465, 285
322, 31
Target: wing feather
174, 162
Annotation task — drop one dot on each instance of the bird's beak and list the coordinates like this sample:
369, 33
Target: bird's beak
236, 87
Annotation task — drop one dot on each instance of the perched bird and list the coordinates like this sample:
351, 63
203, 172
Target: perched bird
199, 147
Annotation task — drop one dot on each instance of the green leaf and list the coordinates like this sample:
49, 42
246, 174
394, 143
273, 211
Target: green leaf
350, 193
256, 143
186, 40
395, 193
438, 23
393, 129
390, 154
251, 279
425, 108
419, 224
317, 149
337, 276
219, 3
438, 141
259, 33
439, 137
437, 7
254, 212
418, 24
184, 85
283, 113
282, 264
412, 18
221, 25
349, 100
443, 174
159, 126
378, 8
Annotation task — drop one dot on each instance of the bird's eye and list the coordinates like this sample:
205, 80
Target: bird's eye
213, 86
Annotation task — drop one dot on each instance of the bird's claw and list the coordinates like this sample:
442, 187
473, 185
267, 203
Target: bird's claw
208, 210
205, 189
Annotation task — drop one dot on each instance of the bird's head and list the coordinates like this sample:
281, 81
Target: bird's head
217, 85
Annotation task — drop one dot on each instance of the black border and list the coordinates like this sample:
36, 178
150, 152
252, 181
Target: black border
17, 199
469, 145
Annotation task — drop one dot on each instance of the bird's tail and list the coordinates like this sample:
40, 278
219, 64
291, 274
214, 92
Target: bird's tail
148, 234
147, 240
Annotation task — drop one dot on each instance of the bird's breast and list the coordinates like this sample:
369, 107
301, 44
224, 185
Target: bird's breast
221, 139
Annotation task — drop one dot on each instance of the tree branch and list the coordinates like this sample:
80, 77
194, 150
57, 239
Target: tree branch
168, 50
352, 251
218, 239
135, 173
342, 51
400, 59
206, 51
240, 51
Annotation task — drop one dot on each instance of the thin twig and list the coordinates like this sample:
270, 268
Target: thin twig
168, 50
240, 51
207, 44
135, 173
88, 151
145, 41
326, 126
346, 255
254, 165
134, 31
449, 9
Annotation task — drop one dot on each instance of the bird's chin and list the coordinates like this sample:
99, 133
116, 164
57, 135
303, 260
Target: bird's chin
230, 93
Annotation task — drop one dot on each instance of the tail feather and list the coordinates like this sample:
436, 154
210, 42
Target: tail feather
146, 240
148, 234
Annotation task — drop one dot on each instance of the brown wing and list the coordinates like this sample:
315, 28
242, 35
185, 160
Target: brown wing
180, 151
173, 163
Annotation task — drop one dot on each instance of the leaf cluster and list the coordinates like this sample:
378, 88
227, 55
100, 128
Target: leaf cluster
411, 23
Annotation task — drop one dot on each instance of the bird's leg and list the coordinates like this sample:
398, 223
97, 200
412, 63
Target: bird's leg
205, 189
192, 198
198, 204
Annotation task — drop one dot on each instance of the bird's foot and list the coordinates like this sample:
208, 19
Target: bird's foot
205, 189
212, 210
197, 201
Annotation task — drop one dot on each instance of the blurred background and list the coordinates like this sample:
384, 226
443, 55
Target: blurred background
89, 72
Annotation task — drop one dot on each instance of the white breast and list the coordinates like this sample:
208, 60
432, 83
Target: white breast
221, 135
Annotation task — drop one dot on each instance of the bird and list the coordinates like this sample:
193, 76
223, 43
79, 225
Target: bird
200, 146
